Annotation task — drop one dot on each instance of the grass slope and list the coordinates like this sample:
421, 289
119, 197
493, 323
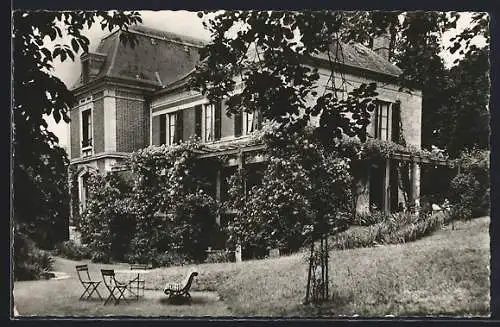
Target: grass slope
446, 273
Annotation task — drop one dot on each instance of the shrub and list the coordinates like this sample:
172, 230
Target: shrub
71, 250
220, 256
108, 203
171, 258
29, 261
304, 190
398, 228
368, 219
100, 256
471, 186
194, 224
171, 213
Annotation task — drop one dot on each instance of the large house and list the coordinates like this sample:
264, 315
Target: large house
131, 98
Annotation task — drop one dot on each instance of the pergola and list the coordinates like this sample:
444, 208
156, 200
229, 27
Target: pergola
242, 154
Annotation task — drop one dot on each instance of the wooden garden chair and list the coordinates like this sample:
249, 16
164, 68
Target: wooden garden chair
116, 289
89, 285
180, 289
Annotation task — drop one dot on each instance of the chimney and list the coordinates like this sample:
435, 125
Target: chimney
382, 45
91, 65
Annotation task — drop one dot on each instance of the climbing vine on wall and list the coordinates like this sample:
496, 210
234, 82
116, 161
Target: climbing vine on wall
302, 193
166, 177
74, 199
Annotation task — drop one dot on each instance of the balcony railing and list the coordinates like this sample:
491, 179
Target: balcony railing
87, 147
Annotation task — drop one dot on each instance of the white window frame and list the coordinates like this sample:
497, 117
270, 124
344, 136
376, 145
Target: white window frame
249, 123
206, 136
83, 109
384, 116
171, 133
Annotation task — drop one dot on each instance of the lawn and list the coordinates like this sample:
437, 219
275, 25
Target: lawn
446, 273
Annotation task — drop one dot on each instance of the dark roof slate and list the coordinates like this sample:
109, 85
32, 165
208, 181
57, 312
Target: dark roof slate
158, 57
172, 57
360, 56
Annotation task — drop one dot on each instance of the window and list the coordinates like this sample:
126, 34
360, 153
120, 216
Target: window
163, 129
84, 190
250, 123
197, 123
87, 132
238, 123
253, 122
172, 128
209, 123
382, 114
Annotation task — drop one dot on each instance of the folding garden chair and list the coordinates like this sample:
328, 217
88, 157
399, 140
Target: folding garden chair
140, 284
89, 285
116, 289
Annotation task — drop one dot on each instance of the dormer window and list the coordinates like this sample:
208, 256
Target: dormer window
91, 65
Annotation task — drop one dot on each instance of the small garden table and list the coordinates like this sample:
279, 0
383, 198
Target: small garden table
137, 273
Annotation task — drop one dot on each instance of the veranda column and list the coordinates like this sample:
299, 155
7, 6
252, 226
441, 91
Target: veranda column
415, 186
387, 187
241, 162
218, 181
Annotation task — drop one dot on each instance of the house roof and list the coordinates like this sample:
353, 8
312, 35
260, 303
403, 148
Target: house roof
158, 58
353, 55
163, 58
359, 56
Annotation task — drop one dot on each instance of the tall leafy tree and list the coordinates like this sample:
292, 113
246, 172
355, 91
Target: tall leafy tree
40, 184
450, 96
462, 121
272, 54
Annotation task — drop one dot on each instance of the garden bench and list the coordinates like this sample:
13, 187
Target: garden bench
180, 289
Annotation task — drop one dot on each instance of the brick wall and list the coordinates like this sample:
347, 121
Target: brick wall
98, 126
132, 129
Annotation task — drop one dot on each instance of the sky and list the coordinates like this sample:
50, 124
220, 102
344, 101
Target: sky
180, 22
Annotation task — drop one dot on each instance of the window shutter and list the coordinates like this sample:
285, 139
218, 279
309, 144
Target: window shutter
197, 119
238, 123
156, 131
179, 126
163, 129
217, 123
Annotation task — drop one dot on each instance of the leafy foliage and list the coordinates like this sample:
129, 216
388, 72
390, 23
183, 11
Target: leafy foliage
302, 195
271, 54
40, 188
462, 121
29, 261
105, 217
71, 250
471, 186
194, 224
167, 176
165, 217
393, 229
